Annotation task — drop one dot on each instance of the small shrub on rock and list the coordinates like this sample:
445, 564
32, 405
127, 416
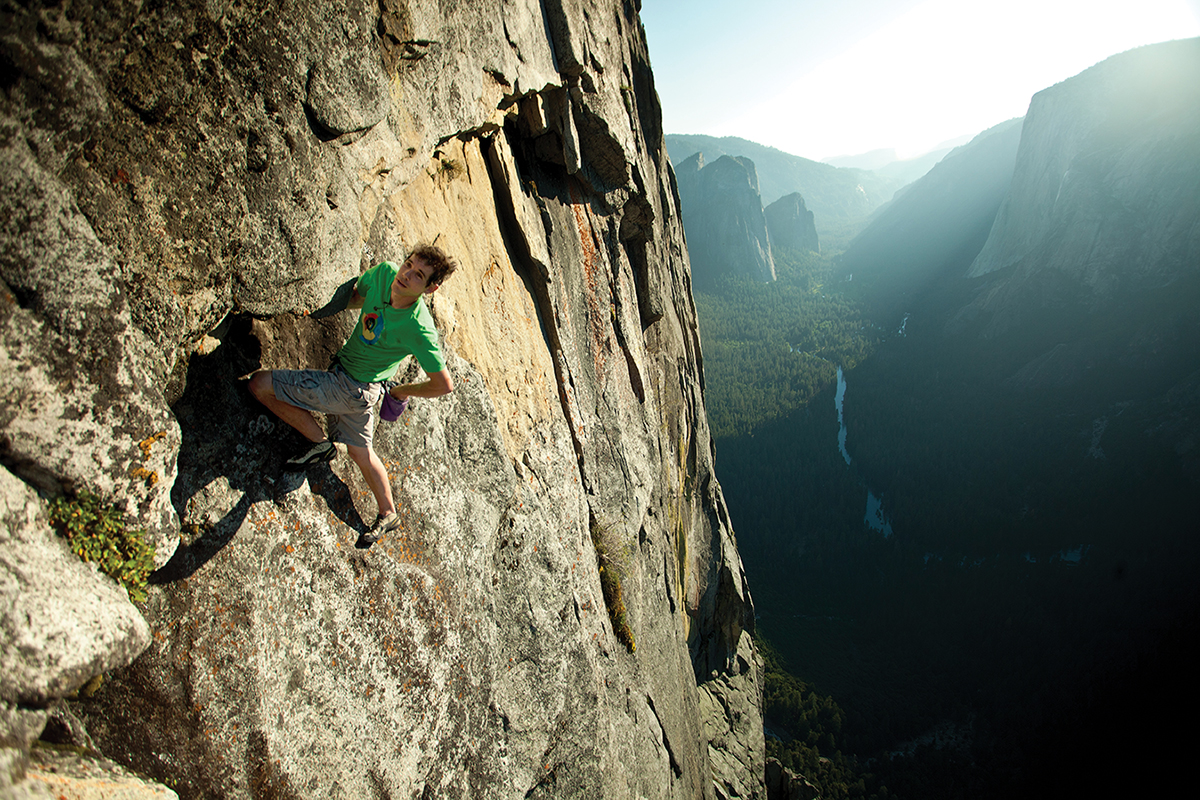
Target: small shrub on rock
96, 532
610, 584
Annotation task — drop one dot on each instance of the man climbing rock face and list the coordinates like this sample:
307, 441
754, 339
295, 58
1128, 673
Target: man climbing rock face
392, 324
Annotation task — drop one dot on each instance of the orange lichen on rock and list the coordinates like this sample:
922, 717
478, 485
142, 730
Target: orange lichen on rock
146, 444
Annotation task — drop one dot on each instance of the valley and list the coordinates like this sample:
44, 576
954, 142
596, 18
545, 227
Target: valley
1025, 429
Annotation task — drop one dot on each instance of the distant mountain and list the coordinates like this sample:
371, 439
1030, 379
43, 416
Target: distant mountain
834, 195
939, 223
886, 163
910, 169
1104, 210
790, 224
872, 160
723, 219
1087, 281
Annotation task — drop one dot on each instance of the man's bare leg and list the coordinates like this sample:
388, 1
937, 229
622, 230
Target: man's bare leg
298, 418
376, 475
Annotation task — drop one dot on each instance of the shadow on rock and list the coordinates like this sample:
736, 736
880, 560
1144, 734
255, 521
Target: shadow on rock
190, 557
336, 494
232, 455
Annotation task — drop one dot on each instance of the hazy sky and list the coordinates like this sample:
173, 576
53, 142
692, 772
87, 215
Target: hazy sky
821, 78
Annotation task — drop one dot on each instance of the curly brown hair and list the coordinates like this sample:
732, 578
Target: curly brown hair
442, 265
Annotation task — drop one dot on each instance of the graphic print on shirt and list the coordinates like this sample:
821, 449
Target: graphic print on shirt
372, 327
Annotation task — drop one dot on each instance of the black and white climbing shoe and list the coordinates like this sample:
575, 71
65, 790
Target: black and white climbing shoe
317, 454
383, 525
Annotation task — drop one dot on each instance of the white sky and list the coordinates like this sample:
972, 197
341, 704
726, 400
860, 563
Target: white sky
822, 78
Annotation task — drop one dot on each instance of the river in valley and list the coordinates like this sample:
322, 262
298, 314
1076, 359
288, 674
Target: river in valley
874, 518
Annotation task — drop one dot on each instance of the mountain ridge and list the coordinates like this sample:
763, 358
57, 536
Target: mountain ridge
1149, 109
833, 194
936, 226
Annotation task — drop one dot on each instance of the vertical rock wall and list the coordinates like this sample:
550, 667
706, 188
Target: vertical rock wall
184, 186
1103, 202
724, 213
791, 224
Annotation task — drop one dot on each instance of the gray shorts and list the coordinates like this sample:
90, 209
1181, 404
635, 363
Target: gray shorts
335, 393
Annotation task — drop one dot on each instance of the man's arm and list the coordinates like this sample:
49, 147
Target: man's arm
343, 298
439, 383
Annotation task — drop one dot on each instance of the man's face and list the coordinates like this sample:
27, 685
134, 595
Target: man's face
411, 282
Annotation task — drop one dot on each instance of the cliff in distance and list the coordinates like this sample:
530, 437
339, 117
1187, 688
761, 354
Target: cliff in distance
835, 196
1086, 283
184, 188
1103, 201
1029, 437
791, 224
723, 214
1092, 268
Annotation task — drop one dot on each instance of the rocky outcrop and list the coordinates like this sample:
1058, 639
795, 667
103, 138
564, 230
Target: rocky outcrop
783, 784
790, 224
66, 774
61, 623
1103, 203
184, 185
723, 213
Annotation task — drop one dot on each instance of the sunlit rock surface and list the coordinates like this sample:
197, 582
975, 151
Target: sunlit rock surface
60, 624
1103, 200
65, 774
185, 187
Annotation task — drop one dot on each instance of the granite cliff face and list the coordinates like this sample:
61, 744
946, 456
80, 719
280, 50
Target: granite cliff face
184, 188
1103, 205
790, 224
723, 213
1092, 268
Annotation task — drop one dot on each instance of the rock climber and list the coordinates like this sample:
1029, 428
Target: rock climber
393, 323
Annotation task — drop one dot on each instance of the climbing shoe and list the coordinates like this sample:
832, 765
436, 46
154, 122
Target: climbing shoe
316, 454
383, 525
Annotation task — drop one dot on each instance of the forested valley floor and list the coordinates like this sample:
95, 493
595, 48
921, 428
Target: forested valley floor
1022, 613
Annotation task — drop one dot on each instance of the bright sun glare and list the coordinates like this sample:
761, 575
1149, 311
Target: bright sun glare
947, 68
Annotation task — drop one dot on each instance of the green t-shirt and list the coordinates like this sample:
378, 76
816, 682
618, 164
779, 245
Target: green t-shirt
384, 336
